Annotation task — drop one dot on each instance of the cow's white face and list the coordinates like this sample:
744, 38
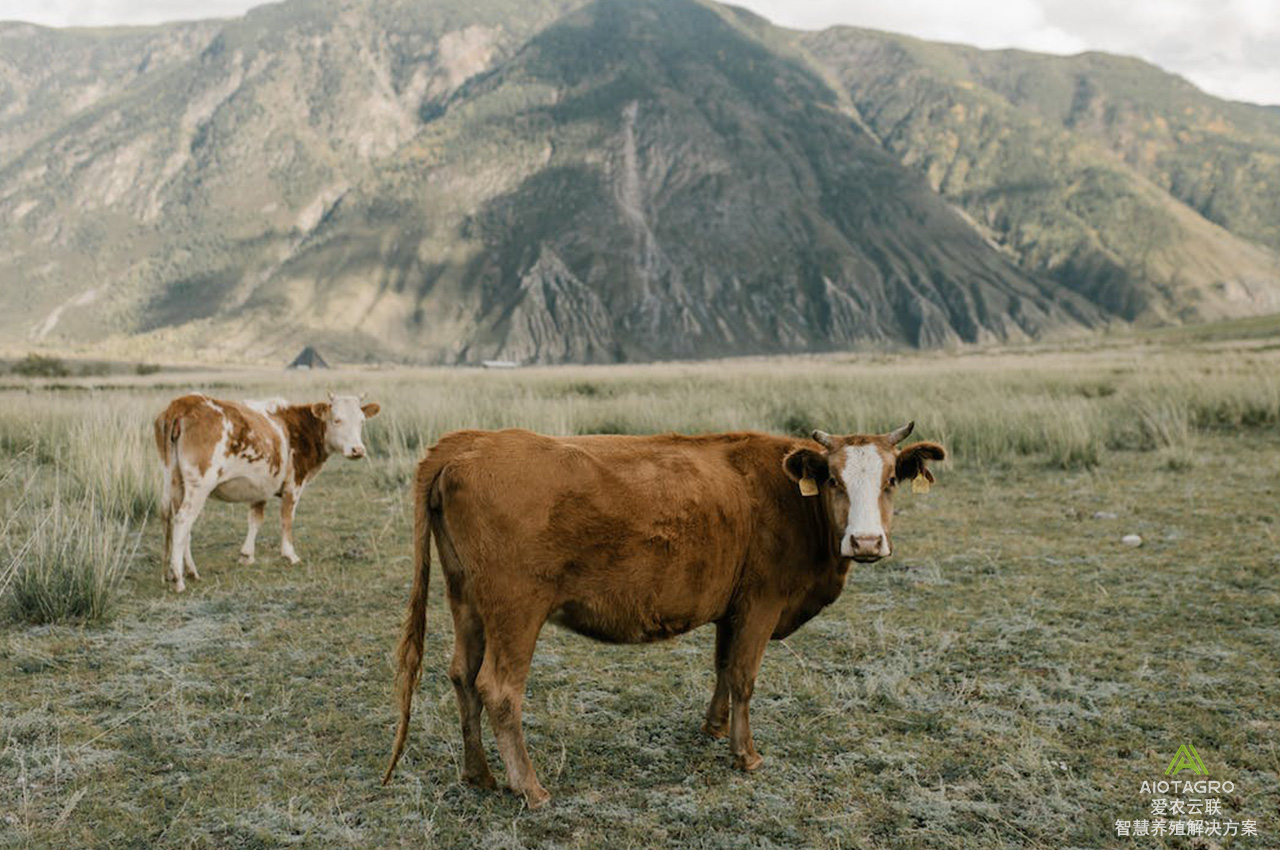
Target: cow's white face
862, 478
855, 477
343, 419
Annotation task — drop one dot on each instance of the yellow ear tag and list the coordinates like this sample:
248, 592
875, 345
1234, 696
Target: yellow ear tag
808, 487
920, 484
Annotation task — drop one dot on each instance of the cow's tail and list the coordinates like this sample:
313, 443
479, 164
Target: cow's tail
409, 653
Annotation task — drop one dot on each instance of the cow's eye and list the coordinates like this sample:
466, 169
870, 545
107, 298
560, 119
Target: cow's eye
893, 482
337, 422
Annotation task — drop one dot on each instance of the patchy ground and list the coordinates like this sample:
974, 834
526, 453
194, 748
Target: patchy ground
1008, 678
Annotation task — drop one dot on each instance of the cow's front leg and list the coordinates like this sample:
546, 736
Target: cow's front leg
751, 631
288, 504
257, 512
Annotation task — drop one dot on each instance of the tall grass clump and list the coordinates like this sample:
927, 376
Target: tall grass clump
1164, 421
1071, 435
63, 561
1250, 399
100, 445
110, 454
399, 444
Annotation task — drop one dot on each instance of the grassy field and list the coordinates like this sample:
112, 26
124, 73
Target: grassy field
1006, 679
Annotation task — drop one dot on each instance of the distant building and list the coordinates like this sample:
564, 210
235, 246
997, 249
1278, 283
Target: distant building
309, 358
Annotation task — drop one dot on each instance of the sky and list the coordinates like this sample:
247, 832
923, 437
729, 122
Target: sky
1230, 48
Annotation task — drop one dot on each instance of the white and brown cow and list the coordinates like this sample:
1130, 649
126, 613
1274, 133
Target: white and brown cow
246, 452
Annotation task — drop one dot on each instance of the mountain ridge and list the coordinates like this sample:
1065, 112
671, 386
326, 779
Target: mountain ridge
603, 181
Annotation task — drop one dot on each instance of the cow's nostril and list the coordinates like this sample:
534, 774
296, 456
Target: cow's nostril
867, 544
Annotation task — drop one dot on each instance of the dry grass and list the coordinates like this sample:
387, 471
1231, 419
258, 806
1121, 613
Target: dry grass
1005, 680
68, 567
63, 557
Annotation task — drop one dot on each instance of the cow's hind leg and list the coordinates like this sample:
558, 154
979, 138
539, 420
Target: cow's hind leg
717, 723
257, 511
509, 640
468, 655
190, 562
179, 545
166, 517
170, 500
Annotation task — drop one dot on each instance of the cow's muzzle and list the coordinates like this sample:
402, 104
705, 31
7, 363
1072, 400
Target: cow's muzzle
355, 453
866, 549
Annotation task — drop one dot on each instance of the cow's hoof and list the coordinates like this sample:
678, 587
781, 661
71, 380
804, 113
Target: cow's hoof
293, 560
536, 798
244, 560
717, 730
748, 762
481, 780
178, 587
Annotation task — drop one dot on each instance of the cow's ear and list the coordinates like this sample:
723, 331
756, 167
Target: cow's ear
805, 463
320, 409
371, 409
911, 460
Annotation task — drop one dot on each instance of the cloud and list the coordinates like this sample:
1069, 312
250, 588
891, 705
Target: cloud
1230, 48
97, 13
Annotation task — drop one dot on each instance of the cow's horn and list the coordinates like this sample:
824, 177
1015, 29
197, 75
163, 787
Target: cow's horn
329, 390
822, 437
897, 436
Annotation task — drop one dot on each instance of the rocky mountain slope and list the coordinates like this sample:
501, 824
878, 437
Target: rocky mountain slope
560, 181
1121, 182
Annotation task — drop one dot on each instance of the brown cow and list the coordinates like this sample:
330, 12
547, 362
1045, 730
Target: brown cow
634, 539
246, 452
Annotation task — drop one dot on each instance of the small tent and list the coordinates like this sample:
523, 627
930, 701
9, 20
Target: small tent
309, 358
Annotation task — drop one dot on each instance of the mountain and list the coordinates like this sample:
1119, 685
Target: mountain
567, 181
1119, 181
157, 206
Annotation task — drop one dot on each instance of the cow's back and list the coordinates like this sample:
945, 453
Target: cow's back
232, 438
623, 538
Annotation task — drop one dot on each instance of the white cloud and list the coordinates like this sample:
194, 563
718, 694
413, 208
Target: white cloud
97, 13
1230, 48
